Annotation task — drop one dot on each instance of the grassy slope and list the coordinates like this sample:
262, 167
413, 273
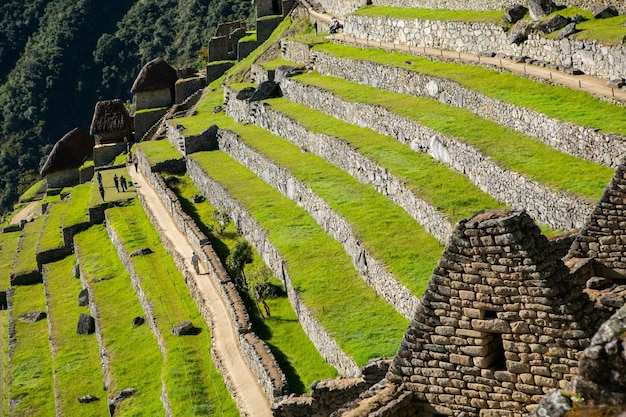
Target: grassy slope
385, 229
32, 388
117, 305
561, 103
319, 267
77, 365
506, 147
194, 385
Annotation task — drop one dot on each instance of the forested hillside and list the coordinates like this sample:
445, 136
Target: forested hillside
57, 58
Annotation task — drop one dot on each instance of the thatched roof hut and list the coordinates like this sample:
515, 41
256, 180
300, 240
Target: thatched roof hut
110, 121
155, 75
69, 152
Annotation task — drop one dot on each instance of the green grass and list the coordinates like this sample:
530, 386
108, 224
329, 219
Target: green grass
558, 102
509, 149
8, 250
4, 363
77, 365
134, 356
31, 192
31, 363
486, 16
610, 31
296, 355
432, 181
383, 227
320, 269
194, 385
78, 211
159, 151
52, 234
110, 193
26, 261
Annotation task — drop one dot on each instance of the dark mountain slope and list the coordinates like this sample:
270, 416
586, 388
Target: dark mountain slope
74, 53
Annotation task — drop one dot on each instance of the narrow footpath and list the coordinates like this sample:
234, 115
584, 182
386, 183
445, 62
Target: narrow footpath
249, 396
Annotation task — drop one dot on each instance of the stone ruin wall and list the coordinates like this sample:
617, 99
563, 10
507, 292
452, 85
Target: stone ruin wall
255, 350
257, 236
604, 237
342, 8
582, 142
560, 211
501, 323
593, 58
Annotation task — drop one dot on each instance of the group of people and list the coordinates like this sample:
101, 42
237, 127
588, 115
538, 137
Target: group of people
119, 182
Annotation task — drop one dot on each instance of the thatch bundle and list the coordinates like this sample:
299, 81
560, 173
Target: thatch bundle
69, 152
110, 116
155, 75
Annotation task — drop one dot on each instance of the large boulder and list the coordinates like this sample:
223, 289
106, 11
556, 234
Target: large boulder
515, 13
603, 12
32, 316
287, 71
540, 8
83, 297
141, 252
86, 324
245, 93
265, 90
183, 329
556, 22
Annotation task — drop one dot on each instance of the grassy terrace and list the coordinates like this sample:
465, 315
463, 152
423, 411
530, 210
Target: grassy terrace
52, 234
31, 365
607, 31
25, 260
4, 363
319, 267
432, 181
297, 356
117, 305
110, 193
8, 250
78, 211
77, 365
561, 103
508, 148
385, 229
194, 385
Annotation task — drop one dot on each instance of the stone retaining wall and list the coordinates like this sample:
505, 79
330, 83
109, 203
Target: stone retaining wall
591, 57
372, 270
579, 141
255, 350
342, 155
556, 209
257, 236
342, 8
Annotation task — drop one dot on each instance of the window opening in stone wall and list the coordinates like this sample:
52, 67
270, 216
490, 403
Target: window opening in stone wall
496, 358
489, 314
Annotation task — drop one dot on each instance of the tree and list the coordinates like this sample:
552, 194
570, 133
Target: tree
262, 289
237, 260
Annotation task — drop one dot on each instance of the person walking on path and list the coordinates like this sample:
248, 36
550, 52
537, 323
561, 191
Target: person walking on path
99, 178
101, 189
135, 162
123, 183
116, 181
195, 261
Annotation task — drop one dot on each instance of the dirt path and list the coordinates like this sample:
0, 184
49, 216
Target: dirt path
248, 393
592, 85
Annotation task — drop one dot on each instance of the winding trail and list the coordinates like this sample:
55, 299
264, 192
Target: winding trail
248, 394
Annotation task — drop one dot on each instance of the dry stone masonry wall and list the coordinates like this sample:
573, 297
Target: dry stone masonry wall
257, 353
591, 57
579, 141
371, 270
257, 236
500, 324
556, 209
344, 7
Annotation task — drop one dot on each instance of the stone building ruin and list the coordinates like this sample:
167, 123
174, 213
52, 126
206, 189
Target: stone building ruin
111, 123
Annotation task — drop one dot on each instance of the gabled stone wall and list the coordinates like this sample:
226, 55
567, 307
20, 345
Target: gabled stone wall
501, 323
